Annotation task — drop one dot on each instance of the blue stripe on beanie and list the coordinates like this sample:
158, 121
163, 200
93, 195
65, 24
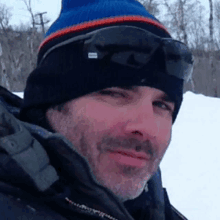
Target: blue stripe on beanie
78, 16
77, 12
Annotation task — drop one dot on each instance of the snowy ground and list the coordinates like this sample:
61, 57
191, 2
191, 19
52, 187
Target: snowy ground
191, 166
20, 94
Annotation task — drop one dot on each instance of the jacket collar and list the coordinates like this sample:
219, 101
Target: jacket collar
74, 168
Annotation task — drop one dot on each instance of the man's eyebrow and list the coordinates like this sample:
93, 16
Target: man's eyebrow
129, 88
135, 89
167, 98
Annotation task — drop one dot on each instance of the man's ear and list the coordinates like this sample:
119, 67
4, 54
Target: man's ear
53, 116
58, 120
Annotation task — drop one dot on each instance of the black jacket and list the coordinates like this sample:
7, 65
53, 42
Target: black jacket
41, 177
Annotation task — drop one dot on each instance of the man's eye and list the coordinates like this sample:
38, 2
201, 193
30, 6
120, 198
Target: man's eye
112, 93
163, 105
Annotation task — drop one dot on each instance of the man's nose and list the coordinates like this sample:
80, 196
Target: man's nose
142, 123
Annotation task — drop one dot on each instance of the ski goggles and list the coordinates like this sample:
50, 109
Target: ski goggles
133, 47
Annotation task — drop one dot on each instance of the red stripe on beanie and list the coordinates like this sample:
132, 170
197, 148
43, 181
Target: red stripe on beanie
96, 23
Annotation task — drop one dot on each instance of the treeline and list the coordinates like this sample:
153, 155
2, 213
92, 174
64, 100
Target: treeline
186, 20
18, 56
198, 27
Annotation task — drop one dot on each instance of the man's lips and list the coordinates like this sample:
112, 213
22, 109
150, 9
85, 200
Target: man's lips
134, 154
129, 158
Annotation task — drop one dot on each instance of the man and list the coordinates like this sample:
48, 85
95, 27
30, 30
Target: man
107, 89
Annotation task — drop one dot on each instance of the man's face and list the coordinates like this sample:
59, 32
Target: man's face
122, 132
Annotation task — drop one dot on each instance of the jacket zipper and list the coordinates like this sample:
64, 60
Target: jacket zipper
94, 211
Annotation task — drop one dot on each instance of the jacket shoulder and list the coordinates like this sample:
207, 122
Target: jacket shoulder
22, 155
170, 211
13, 208
10, 101
177, 215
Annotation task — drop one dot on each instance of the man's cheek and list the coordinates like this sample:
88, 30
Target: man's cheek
161, 153
164, 137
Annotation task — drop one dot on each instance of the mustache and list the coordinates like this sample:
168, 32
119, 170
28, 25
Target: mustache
109, 143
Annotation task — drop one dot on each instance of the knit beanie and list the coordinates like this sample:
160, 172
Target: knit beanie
64, 74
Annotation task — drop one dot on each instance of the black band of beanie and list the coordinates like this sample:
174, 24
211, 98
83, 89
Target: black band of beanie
66, 75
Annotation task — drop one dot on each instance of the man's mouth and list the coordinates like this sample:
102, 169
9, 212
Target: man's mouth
130, 158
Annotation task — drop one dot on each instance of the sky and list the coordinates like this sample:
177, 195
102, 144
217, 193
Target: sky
52, 7
20, 14
191, 166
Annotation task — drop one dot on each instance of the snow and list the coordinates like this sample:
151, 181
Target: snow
191, 166
20, 94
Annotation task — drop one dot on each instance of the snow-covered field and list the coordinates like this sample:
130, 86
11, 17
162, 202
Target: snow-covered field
20, 94
191, 166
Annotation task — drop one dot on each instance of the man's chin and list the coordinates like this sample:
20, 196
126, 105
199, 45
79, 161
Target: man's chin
132, 172
125, 186
128, 190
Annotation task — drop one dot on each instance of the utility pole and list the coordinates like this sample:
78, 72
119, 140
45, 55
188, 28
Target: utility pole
42, 22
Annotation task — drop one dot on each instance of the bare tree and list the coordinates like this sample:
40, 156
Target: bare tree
197, 31
212, 48
181, 19
5, 15
178, 12
211, 26
3, 77
152, 6
217, 23
28, 4
32, 41
187, 21
18, 52
177, 20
